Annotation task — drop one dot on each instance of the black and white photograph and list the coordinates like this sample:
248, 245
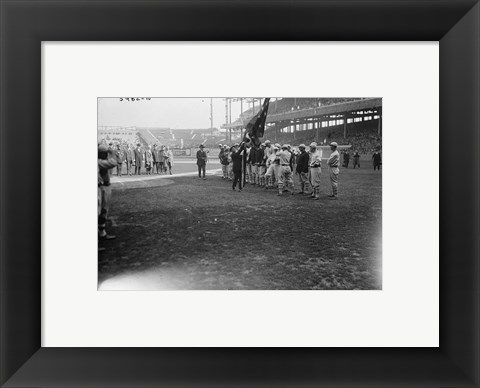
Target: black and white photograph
239, 193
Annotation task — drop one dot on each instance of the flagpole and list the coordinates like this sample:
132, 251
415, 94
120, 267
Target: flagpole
244, 166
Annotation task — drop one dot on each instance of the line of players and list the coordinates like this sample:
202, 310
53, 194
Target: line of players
271, 166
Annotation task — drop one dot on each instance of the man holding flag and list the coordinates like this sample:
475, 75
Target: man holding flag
256, 126
255, 129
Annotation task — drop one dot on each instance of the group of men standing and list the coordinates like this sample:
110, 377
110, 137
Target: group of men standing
155, 160
271, 165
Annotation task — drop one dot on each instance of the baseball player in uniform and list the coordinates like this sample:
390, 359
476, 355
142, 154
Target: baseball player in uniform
314, 170
285, 172
252, 166
260, 165
333, 162
272, 170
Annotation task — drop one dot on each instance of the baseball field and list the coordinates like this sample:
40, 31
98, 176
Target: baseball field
178, 232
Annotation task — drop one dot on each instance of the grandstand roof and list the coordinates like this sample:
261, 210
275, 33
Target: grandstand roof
351, 106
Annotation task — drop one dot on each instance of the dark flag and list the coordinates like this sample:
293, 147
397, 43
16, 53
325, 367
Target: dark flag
256, 126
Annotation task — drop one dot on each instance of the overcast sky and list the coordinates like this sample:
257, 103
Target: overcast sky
164, 112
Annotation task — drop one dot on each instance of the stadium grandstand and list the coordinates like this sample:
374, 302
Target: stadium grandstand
174, 138
348, 121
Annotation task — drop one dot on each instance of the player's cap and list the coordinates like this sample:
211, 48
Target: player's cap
267, 141
201, 146
289, 146
220, 145
262, 145
102, 148
236, 144
277, 145
285, 146
301, 146
313, 144
334, 144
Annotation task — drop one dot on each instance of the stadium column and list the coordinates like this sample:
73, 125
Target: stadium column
345, 125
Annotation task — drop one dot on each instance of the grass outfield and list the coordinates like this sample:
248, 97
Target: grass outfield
185, 233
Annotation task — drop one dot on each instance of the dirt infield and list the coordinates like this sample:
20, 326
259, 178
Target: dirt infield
187, 233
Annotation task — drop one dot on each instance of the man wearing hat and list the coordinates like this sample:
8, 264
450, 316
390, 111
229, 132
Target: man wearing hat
260, 165
201, 162
285, 173
138, 159
251, 165
220, 155
224, 161
314, 170
273, 168
130, 157
155, 158
302, 168
120, 155
237, 165
333, 162
148, 160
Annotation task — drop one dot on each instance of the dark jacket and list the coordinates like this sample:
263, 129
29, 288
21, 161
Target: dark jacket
138, 156
201, 158
104, 167
237, 159
259, 156
120, 155
302, 162
252, 156
129, 155
155, 155
377, 159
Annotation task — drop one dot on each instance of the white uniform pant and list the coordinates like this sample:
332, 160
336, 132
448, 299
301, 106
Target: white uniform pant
314, 176
285, 179
334, 180
273, 172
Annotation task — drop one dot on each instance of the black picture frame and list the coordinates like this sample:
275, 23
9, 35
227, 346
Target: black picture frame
25, 24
